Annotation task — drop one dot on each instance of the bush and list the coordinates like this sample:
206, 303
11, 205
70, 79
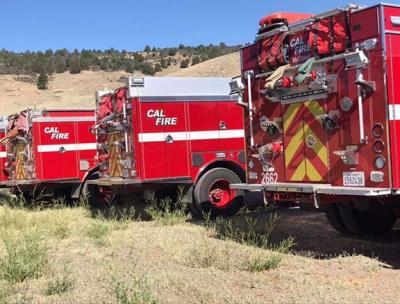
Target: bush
158, 67
42, 81
147, 69
185, 63
75, 67
262, 263
59, 286
196, 60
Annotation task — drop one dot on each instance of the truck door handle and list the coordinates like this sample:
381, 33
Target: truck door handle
169, 139
222, 125
61, 150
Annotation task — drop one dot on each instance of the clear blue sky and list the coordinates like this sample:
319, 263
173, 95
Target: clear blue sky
132, 24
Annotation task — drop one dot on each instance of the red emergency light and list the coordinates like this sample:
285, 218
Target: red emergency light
283, 17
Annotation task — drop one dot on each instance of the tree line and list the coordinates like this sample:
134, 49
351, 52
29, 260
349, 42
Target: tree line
149, 61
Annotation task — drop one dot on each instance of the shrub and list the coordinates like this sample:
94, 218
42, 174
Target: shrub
262, 263
185, 63
196, 60
42, 81
147, 69
59, 286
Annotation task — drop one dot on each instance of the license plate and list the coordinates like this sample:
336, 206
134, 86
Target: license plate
355, 179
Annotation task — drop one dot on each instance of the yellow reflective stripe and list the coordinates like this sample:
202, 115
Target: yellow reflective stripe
290, 114
319, 148
312, 173
293, 145
300, 173
315, 108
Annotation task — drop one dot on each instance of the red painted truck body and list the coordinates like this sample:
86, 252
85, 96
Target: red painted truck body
171, 131
3, 153
324, 119
50, 149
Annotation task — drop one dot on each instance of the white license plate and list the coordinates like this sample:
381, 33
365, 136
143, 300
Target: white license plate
355, 179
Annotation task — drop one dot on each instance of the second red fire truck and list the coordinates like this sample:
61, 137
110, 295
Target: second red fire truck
163, 132
321, 94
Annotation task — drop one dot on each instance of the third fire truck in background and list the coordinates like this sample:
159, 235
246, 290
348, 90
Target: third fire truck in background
322, 100
47, 151
158, 133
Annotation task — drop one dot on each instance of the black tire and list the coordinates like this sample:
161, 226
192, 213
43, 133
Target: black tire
374, 222
218, 180
334, 219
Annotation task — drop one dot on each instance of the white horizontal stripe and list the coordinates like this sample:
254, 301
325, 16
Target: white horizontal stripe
194, 135
394, 112
3, 154
231, 134
64, 119
68, 147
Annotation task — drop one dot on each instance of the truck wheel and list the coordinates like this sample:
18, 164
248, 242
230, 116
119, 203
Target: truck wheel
334, 219
213, 196
364, 223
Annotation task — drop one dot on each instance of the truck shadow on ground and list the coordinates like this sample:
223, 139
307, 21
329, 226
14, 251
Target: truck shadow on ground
315, 238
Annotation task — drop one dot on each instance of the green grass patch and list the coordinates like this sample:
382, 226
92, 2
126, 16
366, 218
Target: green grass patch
261, 263
167, 211
98, 231
24, 257
136, 293
59, 286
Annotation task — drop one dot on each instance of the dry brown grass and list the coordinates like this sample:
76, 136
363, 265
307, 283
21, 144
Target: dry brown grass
97, 260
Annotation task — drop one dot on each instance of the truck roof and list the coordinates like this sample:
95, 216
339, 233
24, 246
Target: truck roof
179, 88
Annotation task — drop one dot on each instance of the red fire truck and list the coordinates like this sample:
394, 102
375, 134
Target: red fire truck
49, 150
322, 100
158, 133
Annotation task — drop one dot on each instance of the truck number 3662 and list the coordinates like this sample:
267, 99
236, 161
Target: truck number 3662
269, 177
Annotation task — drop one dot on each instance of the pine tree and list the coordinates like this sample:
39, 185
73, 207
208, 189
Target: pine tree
42, 81
75, 67
185, 63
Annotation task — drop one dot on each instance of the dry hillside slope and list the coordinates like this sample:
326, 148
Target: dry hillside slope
224, 66
77, 91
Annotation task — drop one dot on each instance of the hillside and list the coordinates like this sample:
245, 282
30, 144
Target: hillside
77, 90
224, 66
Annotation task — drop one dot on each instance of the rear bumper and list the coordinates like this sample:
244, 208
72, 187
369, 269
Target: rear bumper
27, 183
316, 189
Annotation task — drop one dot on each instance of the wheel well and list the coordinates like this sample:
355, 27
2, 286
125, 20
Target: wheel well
227, 165
77, 192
